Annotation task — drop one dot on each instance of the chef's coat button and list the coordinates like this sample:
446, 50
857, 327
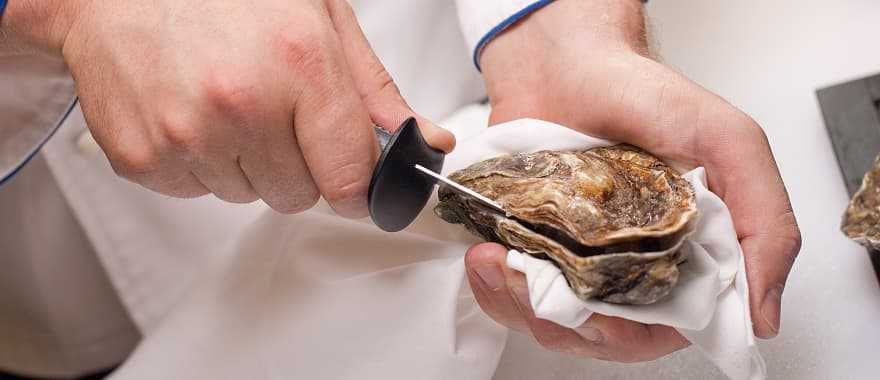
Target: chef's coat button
86, 144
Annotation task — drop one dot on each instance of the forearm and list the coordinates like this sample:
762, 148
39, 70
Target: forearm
36, 25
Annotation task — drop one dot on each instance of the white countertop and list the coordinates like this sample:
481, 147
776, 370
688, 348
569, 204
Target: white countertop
768, 58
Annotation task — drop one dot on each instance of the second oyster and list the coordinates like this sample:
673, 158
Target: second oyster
861, 221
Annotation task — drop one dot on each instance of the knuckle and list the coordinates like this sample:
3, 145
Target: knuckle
348, 184
795, 242
304, 48
229, 96
347, 193
384, 92
135, 162
793, 236
792, 239
178, 131
380, 80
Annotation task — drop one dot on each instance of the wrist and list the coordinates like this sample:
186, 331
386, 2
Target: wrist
565, 34
600, 24
38, 24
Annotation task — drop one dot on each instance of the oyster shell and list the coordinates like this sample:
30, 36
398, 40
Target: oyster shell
613, 219
861, 221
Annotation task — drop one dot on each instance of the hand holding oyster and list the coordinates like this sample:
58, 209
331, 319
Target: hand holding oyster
613, 219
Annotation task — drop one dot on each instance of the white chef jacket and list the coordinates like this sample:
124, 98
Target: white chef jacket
88, 261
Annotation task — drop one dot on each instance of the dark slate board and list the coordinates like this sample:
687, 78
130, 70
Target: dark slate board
852, 117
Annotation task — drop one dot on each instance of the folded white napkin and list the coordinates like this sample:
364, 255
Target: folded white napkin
709, 305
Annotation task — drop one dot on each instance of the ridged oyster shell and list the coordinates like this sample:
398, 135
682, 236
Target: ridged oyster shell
861, 221
612, 218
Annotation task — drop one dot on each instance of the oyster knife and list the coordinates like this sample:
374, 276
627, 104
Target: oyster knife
462, 190
398, 192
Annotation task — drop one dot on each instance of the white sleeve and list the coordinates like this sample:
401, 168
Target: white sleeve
37, 94
482, 20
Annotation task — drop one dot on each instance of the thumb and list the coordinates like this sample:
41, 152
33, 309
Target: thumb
500, 291
377, 89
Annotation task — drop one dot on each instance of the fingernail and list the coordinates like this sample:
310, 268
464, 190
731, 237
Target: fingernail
522, 298
770, 308
491, 276
591, 334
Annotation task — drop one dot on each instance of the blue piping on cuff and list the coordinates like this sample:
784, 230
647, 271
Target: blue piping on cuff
502, 26
40, 145
2, 6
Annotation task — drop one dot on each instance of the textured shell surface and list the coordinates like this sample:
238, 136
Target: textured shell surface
861, 221
613, 219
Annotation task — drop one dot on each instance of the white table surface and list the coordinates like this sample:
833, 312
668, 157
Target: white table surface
768, 58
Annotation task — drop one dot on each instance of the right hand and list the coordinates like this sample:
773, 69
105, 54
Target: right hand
268, 99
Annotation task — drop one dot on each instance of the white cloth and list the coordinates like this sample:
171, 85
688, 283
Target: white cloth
709, 306
35, 97
317, 296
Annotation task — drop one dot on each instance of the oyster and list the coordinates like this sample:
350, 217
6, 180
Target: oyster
613, 219
861, 221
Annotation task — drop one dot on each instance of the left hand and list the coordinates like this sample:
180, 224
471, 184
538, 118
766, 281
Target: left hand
584, 64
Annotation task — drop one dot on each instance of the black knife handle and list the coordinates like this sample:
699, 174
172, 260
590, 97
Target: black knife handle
398, 192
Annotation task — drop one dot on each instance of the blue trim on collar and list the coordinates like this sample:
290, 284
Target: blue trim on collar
504, 25
40, 145
2, 6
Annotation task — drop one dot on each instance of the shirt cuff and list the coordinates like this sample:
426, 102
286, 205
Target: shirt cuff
483, 20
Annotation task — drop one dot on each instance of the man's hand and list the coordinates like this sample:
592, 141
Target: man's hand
584, 64
244, 99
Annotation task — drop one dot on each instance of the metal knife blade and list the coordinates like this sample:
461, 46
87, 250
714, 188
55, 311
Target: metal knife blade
464, 191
